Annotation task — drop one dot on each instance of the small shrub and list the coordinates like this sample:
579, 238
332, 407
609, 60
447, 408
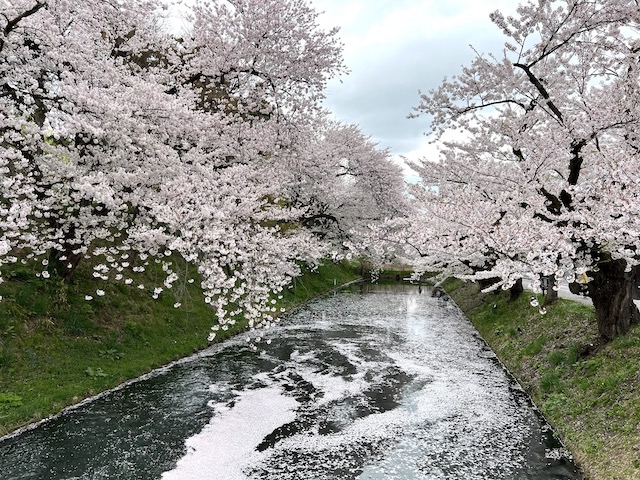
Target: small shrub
534, 347
10, 332
591, 366
111, 354
550, 382
608, 383
572, 355
9, 400
556, 358
583, 384
95, 372
19, 274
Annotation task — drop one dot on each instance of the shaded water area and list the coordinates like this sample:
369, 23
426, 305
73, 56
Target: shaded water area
374, 382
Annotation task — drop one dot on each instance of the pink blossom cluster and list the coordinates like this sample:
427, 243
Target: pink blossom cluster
539, 165
123, 145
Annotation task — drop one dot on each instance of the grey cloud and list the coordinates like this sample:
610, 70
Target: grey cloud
383, 89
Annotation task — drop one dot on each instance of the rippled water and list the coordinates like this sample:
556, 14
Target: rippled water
370, 383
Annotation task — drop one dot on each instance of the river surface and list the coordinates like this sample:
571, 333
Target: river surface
375, 382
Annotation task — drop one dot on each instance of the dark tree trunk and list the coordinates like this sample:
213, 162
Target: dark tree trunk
516, 290
64, 262
612, 291
547, 283
579, 288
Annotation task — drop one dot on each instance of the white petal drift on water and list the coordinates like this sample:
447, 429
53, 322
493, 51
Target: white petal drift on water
227, 444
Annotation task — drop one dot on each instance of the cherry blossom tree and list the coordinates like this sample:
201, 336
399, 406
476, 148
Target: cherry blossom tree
258, 69
342, 182
122, 145
81, 128
542, 176
266, 57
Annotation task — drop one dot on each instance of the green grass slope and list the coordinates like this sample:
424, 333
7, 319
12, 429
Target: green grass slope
590, 395
57, 348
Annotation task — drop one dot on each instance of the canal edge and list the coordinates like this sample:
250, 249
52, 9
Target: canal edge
159, 370
518, 385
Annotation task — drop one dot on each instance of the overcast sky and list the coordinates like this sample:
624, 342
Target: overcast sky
394, 48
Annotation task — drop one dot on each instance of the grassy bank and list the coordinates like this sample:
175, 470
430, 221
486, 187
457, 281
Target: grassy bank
57, 348
591, 398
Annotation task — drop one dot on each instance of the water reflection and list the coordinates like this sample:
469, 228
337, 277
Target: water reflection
391, 288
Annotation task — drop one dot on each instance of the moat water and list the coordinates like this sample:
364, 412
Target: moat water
372, 382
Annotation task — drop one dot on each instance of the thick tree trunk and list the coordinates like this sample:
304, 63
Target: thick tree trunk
547, 283
579, 288
612, 291
516, 290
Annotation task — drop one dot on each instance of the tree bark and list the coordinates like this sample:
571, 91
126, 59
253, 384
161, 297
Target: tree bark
550, 293
65, 262
516, 290
612, 291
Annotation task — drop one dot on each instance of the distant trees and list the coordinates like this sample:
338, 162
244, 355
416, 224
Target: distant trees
343, 182
543, 176
120, 145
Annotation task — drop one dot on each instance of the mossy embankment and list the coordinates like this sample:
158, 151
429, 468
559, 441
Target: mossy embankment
57, 348
589, 393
